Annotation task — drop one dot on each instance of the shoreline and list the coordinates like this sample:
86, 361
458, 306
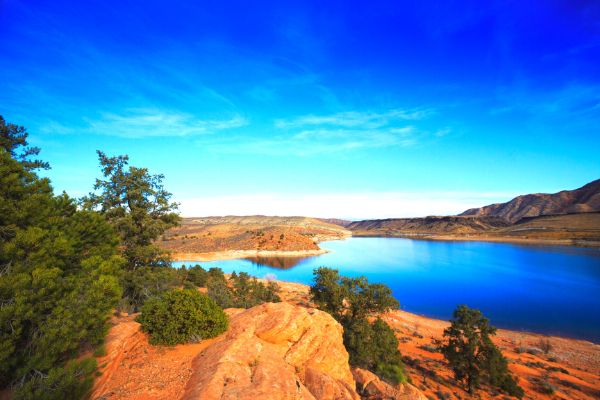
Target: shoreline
240, 254
302, 289
489, 239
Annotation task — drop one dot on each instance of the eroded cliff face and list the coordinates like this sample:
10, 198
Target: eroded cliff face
272, 351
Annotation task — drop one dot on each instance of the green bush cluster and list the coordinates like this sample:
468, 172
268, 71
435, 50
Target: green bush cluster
239, 291
148, 281
351, 301
249, 292
181, 316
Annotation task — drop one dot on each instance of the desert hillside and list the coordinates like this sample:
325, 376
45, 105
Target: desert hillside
427, 225
248, 236
582, 200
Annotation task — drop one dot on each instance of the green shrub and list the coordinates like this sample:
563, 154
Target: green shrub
543, 386
393, 373
197, 275
180, 316
552, 368
221, 293
216, 274
100, 351
143, 283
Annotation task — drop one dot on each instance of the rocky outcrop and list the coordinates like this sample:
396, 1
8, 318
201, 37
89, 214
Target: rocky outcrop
275, 351
371, 387
132, 369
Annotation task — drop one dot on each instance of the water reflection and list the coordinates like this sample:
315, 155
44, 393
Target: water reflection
277, 262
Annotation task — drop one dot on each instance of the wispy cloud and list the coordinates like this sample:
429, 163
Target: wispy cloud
347, 131
317, 141
355, 119
148, 123
143, 123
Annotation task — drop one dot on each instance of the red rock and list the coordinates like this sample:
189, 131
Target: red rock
372, 388
275, 351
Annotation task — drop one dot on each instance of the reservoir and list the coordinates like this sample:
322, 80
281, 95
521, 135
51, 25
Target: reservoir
547, 289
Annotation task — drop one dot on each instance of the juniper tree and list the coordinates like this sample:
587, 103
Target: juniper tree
351, 301
140, 210
472, 355
349, 298
136, 203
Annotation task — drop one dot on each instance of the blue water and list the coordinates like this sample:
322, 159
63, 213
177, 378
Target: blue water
546, 289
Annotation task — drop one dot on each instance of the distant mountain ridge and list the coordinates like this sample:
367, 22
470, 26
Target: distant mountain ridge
427, 225
570, 217
583, 200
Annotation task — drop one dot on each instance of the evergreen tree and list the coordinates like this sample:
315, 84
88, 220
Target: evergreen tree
197, 275
220, 293
137, 205
472, 355
13, 139
59, 272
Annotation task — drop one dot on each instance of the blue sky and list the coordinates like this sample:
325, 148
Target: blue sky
342, 109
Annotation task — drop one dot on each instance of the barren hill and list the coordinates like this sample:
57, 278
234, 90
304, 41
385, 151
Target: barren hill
582, 200
337, 221
202, 239
571, 229
264, 220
